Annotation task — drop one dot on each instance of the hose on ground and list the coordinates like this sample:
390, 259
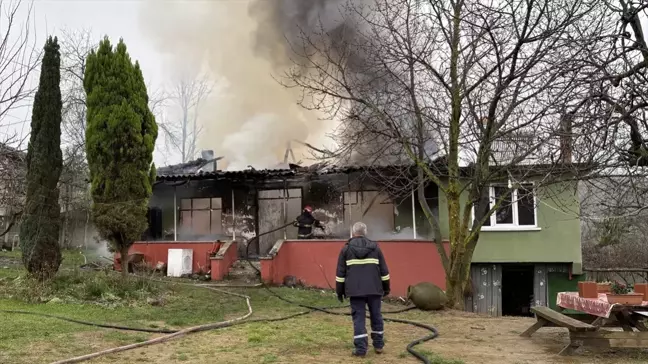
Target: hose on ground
410, 346
87, 323
172, 334
161, 339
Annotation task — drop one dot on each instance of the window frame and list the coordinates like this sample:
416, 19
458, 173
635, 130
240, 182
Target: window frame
514, 226
360, 200
191, 208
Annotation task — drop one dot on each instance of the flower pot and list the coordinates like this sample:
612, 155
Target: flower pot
587, 290
642, 288
604, 287
625, 299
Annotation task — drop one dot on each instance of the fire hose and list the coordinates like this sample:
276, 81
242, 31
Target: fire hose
173, 334
410, 346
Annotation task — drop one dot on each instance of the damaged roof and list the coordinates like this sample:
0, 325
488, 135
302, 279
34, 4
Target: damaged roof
247, 173
192, 171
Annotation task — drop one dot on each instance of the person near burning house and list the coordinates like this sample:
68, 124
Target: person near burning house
362, 276
305, 223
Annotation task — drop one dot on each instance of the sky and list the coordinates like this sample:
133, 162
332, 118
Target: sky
165, 35
114, 18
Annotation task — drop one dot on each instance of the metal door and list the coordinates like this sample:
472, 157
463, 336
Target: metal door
277, 208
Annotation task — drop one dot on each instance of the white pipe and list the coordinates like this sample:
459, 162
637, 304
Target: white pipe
349, 208
233, 218
175, 215
285, 215
413, 214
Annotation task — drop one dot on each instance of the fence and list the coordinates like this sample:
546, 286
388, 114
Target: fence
629, 276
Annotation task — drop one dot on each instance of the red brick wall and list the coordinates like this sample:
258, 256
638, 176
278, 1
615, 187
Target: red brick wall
221, 265
314, 263
158, 252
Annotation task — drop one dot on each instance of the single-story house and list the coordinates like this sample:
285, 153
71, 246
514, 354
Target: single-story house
529, 249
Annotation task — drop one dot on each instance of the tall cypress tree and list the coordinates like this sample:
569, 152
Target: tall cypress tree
39, 231
120, 138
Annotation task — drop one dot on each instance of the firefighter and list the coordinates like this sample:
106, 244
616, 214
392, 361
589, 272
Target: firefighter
305, 223
363, 277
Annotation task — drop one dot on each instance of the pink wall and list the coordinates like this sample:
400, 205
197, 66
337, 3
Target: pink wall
221, 264
314, 263
157, 251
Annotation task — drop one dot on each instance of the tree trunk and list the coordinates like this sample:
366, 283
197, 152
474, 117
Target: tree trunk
458, 277
456, 281
125, 260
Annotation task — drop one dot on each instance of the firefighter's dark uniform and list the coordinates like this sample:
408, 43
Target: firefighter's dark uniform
362, 275
305, 223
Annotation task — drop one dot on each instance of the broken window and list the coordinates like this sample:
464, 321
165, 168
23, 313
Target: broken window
374, 208
201, 216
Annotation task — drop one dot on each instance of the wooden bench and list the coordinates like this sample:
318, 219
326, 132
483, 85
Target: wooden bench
584, 334
547, 317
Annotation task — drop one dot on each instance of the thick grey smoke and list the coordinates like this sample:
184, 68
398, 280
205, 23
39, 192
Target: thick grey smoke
336, 29
244, 44
293, 20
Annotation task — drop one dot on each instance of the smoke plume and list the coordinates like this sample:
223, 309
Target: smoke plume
243, 44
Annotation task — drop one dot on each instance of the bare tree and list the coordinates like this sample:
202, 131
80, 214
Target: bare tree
75, 46
182, 131
460, 94
617, 66
19, 58
615, 207
614, 219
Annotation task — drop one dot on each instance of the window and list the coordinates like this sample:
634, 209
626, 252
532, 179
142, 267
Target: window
369, 206
201, 216
517, 209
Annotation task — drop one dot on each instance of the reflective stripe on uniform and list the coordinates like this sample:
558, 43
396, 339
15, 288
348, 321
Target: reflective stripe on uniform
360, 336
385, 278
362, 261
378, 332
304, 235
339, 279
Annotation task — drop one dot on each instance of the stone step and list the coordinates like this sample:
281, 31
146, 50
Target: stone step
244, 264
241, 270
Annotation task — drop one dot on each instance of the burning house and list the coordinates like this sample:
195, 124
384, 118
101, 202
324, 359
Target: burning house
531, 246
196, 201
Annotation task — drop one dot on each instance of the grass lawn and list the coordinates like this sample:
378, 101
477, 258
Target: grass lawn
314, 338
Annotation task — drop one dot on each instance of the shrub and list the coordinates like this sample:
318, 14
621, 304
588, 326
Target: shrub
104, 288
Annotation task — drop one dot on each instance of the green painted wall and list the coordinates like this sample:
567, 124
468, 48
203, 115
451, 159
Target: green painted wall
559, 282
557, 241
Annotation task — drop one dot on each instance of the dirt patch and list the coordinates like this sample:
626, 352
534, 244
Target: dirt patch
323, 338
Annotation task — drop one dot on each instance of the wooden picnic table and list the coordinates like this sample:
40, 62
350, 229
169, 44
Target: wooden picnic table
628, 317
585, 328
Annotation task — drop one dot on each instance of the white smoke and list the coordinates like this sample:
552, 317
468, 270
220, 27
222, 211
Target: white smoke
254, 117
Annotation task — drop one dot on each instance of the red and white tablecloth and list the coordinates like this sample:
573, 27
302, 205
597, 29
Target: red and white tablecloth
596, 307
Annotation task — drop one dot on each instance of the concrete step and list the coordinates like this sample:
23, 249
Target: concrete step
242, 263
241, 270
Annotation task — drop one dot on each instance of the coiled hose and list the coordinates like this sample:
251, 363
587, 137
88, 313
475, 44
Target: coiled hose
171, 334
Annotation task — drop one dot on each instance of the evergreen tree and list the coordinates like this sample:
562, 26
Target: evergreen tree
120, 137
39, 230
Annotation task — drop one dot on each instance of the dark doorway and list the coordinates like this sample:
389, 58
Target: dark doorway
517, 290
